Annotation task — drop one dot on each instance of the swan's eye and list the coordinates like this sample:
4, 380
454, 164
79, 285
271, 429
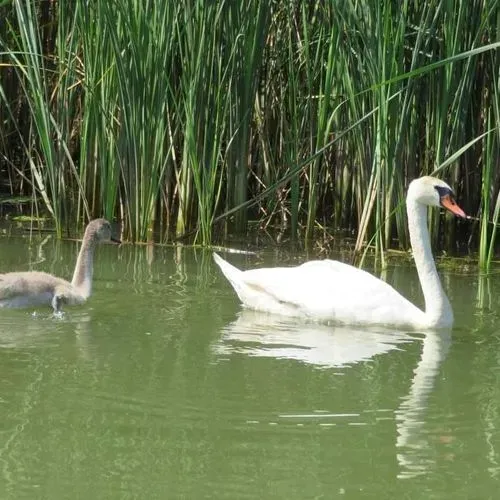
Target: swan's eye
443, 192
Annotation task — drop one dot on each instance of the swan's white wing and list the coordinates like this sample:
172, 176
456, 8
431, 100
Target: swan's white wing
327, 289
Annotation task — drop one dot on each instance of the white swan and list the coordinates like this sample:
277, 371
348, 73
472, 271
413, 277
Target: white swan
331, 290
22, 289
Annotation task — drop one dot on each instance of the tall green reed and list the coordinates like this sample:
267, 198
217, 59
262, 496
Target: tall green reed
31, 67
166, 115
204, 110
246, 25
140, 38
490, 187
98, 159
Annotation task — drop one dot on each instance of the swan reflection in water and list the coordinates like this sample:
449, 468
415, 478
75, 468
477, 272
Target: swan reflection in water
412, 441
326, 346
267, 335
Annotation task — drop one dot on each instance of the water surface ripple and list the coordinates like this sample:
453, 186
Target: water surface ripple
161, 386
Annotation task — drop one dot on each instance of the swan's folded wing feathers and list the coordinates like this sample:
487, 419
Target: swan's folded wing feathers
324, 288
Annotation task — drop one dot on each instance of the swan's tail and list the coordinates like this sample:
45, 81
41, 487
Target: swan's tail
233, 275
227, 269
251, 292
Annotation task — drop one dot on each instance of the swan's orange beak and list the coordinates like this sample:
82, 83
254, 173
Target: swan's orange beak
449, 203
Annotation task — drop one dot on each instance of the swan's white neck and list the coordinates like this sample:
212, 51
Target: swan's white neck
438, 312
82, 277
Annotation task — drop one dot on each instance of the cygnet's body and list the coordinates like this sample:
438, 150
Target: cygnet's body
32, 288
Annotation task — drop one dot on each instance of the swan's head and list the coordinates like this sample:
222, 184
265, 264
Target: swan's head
434, 192
99, 231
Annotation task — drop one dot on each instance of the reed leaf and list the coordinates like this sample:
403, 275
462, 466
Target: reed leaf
175, 118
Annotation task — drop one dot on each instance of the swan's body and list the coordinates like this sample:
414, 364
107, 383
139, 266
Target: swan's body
31, 288
331, 290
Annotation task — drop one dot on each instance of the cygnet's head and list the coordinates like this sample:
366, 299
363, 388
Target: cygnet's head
434, 192
99, 231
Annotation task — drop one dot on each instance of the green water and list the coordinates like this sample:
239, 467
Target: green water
160, 387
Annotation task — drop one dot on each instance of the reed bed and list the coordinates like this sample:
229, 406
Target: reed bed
193, 120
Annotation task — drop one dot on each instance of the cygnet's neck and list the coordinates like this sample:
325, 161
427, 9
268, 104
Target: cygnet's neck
82, 276
438, 310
